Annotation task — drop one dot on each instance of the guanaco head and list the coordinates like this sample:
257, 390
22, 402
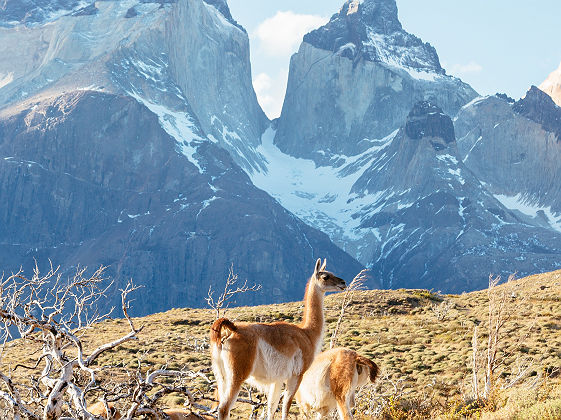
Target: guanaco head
100, 409
327, 281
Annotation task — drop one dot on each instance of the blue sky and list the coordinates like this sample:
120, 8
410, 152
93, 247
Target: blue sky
496, 46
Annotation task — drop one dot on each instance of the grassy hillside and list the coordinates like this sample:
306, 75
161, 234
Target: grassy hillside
421, 340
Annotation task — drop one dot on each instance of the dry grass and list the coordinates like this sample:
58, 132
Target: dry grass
425, 358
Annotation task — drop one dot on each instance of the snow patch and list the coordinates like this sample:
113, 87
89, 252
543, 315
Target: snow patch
6, 79
219, 19
475, 101
523, 205
205, 204
458, 174
320, 195
397, 57
445, 158
178, 125
347, 46
472, 147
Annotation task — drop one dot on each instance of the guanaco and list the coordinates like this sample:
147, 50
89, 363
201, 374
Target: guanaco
266, 355
99, 409
331, 381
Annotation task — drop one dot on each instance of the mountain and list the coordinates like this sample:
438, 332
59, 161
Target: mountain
514, 149
126, 130
184, 56
365, 150
411, 210
131, 136
552, 85
356, 79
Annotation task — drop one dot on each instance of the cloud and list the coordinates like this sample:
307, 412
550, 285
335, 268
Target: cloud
270, 91
277, 38
463, 69
281, 34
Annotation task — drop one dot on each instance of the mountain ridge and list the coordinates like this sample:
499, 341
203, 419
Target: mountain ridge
377, 150
119, 160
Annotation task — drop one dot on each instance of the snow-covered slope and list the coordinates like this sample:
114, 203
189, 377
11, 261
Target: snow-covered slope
185, 56
371, 30
147, 106
322, 196
410, 210
124, 128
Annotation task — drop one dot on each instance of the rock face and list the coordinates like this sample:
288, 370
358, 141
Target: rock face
92, 178
428, 120
356, 79
514, 149
540, 108
188, 56
436, 223
552, 85
130, 136
370, 30
29, 12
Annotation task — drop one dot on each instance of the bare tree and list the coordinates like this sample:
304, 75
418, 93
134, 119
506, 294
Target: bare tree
356, 284
54, 313
231, 288
492, 357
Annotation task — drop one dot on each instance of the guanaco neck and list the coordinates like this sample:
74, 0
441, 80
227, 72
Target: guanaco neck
312, 322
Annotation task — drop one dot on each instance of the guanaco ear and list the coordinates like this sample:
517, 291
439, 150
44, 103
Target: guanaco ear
318, 264
324, 264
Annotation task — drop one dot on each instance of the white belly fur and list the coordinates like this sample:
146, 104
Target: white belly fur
271, 366
315, 391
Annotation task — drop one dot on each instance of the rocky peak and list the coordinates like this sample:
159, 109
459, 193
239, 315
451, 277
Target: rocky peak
370, 29
381, 15
539, 107
222, 7
428, 120
34, 11
552, 85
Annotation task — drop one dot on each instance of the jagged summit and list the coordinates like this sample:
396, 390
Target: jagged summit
34, 11
428, 120
552, 85
222, 7
539, 107
31, 12
356, 79
370, 29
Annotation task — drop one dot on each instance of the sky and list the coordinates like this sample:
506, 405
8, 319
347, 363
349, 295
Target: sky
495, 46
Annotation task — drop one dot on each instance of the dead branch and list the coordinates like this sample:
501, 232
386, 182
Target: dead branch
231, 288
492, 358
55, 313
144, 403
356, 284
